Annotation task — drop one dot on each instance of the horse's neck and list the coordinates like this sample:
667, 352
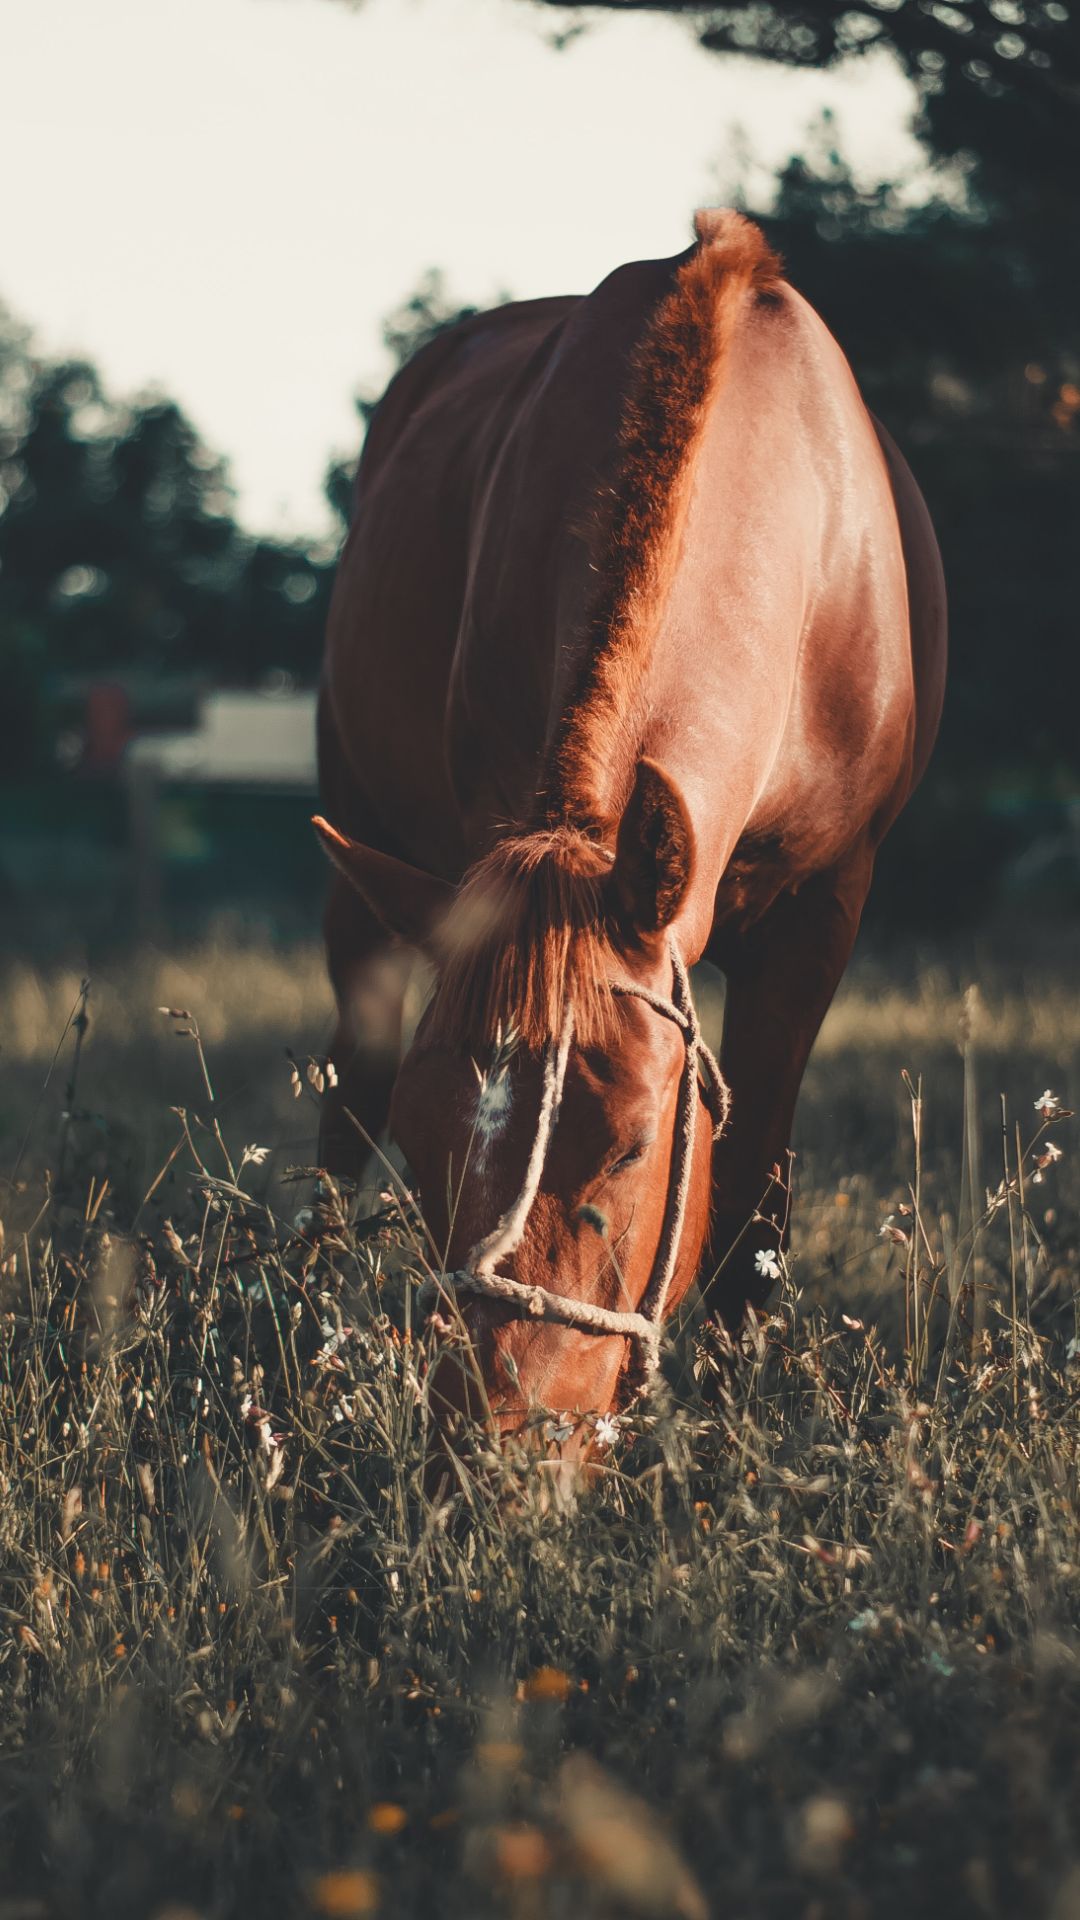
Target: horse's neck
705, 688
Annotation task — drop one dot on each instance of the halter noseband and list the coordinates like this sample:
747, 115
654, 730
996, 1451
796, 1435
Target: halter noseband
537, 1303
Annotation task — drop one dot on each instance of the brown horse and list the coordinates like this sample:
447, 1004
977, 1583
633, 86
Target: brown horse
636, 652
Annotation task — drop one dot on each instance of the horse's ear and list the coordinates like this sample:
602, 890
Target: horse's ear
406, 901
654, 852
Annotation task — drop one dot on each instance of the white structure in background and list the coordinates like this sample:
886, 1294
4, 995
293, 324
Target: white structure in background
242, 739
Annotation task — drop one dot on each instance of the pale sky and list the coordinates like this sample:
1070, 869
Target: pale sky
224, 197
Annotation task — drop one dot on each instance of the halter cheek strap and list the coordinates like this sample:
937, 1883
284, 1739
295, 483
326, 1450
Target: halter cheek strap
479, 1276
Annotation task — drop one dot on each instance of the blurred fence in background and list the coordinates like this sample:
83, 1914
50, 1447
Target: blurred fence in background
161, 832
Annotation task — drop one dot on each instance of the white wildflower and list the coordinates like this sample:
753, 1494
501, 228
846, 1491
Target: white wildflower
607, 1430
1051, 1151
254, 1156
332, 1340
1047, 1105
767, 1264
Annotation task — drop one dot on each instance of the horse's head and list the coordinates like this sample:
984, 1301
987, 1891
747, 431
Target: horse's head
552, 1105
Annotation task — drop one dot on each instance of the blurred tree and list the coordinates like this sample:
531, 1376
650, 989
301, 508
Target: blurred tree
119, 548
996, 79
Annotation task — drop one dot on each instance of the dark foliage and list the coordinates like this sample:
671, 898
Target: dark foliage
119, 550
997, 79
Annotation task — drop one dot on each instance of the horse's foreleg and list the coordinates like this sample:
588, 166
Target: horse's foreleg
368, 978
781, 978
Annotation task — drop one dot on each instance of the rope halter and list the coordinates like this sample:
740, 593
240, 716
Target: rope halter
479, 1276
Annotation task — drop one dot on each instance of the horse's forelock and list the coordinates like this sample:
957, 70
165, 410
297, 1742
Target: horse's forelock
527, 933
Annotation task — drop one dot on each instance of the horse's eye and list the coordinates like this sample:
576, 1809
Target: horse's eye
628, 1158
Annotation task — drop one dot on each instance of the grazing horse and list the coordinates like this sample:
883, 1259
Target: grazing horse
636, 652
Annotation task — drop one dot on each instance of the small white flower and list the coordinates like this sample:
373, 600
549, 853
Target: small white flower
607, 1430
1044, 1157
1048, 1104
767, 1264
254, 1156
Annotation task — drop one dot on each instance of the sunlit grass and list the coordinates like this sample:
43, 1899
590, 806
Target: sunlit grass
809, 1644
251, 992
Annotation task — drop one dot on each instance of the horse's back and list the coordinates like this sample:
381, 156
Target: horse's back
402, 578
792, 693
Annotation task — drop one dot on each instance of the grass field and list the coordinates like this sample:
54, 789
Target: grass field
809, 1647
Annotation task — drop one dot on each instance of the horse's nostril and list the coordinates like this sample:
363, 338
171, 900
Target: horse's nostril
552, 1254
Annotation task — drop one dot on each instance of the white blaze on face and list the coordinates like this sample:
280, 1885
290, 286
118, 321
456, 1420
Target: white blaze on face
493, 1106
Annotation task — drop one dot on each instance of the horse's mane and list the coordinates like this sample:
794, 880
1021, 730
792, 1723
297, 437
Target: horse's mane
635, 536
528, 934
529, 930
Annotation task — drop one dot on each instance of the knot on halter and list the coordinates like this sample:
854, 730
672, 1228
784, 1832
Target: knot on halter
479, 1276
701, 1061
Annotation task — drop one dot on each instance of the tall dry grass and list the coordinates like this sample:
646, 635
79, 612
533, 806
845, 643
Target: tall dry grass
809, 1646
